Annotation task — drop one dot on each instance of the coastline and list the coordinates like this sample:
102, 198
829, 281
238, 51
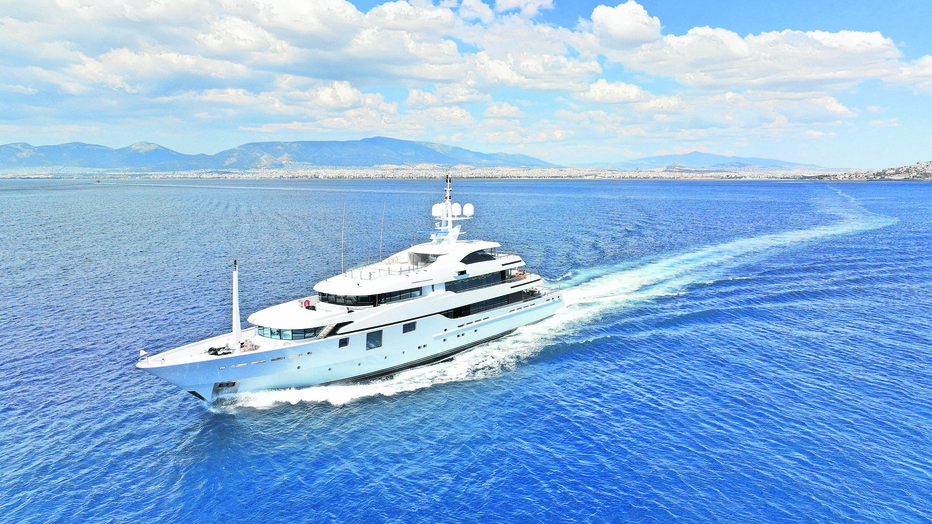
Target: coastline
916, 172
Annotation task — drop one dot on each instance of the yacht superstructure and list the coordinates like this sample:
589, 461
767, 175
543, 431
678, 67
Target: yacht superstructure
421, 305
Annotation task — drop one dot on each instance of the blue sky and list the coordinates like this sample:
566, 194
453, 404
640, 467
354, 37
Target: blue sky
832, 83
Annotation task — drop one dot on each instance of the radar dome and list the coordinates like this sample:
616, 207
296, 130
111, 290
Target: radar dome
468, 210
457, 209
437, 210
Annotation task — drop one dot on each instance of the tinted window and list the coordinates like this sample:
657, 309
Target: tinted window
374, 340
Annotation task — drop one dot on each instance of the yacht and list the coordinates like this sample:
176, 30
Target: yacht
419, 306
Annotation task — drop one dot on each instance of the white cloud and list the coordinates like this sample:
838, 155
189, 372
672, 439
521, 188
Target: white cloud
612, 93
891, 122
662, 104
142, 71
135, 10
502, 110
530, 71
917, 73
19, 89
342, 95
707, 57
321, 18
403, 16
449, 115
528, 8
446, 94
832, 105
461, 93
418, 98
498, 39
625, 25
476, 10
818, 134
232, 36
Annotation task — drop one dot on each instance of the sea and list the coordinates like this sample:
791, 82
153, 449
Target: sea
730, 351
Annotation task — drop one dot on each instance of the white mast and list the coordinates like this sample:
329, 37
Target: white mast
236, 321
448, 212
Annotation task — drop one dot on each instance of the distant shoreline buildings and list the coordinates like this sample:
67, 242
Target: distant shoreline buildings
921, 171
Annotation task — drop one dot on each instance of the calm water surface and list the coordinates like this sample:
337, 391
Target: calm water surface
730, 352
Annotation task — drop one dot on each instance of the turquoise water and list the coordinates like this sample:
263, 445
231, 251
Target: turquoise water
730, 352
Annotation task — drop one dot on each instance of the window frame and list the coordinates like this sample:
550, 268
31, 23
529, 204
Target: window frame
373, 340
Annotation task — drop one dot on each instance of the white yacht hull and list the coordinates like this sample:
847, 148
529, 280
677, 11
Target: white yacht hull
319, 361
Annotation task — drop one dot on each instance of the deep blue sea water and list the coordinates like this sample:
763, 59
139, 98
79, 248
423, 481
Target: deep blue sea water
731, 352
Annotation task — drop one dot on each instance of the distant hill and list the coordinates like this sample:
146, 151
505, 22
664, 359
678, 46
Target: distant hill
367, 152
917, 171
697, 160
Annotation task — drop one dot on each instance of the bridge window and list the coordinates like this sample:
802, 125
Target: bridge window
288, 334
478, 256
369, 300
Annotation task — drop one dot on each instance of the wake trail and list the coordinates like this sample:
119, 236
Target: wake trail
587, 294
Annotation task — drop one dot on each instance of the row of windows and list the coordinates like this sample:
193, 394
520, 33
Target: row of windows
485, 305
369, 300
288, 334
373, 339
466, 284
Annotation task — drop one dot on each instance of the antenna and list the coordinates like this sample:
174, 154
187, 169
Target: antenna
381, 230
342, 230
236, 321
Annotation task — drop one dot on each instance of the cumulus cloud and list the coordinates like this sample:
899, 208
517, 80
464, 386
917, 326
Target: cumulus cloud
529, 71
917, 73
449, 115
232, 36
419, 98
476, 10
625, 25
502, 110
527, 8
403, 16
321, 18
890, 122
612, 93
149, 70
339, 95
711, 57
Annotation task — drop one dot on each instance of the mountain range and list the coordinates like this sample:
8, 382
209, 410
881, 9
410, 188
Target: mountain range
697, 160
367, 152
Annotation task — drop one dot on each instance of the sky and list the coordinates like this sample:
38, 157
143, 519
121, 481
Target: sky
842, 84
